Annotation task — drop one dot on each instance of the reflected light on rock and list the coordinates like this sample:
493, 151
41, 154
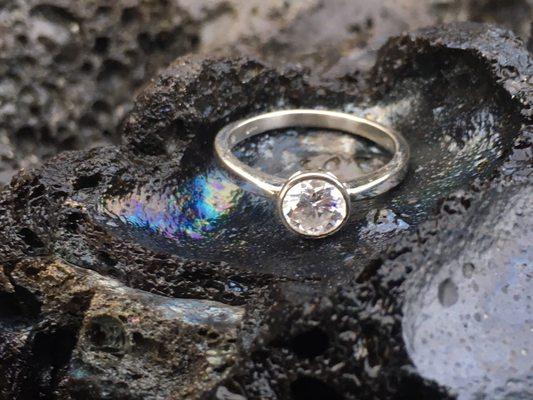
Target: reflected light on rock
189, 210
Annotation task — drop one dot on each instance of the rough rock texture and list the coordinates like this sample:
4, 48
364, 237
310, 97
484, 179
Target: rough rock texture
134, 272
70, 68
99, 333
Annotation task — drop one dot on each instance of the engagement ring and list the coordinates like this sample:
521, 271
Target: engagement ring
315, 204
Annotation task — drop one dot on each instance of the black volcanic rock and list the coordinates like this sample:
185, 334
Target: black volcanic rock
112, 257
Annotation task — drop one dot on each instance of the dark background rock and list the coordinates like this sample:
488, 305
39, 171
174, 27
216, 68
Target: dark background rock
70, 69
92, 307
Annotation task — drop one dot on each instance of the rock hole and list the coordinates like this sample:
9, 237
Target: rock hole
87, 181
87, 67
106, 333
448, 209
112, 68
47, 42
468, 270
22, 39
68, 54
103, 11
448, 293
32, 270
28, 302
164, 39
101, 44
22, 304
354, 28
130, 15
203, 331
27, 61
50, 353
145, 42
138, 338
73, 221
369, 270
30, 238
307, 388
212, 335
466, 203
145, 344
35, 109
87, 121
25, 133
101, 106
194, 40
9, 307
106, 259
310, 344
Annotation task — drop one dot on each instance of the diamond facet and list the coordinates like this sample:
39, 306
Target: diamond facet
314, 206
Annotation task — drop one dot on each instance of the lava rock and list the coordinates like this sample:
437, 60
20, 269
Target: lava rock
84, 323
313, 326
70, 68
457, 323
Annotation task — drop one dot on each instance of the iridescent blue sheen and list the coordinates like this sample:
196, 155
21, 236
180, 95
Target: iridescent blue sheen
191, 210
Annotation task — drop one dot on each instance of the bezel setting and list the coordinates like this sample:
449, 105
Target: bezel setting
339, 193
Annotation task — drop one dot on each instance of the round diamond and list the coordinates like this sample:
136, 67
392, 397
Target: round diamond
314, 207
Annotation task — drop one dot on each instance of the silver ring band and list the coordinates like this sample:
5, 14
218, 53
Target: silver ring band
368, 185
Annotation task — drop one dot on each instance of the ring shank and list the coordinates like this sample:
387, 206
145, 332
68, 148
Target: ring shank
368, 185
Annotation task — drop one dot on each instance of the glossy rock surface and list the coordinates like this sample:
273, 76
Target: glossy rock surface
467, 319
142, 271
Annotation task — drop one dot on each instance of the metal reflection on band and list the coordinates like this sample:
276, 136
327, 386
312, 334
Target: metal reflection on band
316, 187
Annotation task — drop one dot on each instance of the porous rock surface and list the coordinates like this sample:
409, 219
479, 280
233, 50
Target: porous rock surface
91, 311
152, 336
70, 69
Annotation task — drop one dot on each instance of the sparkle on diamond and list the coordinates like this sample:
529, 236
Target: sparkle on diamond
314, 207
